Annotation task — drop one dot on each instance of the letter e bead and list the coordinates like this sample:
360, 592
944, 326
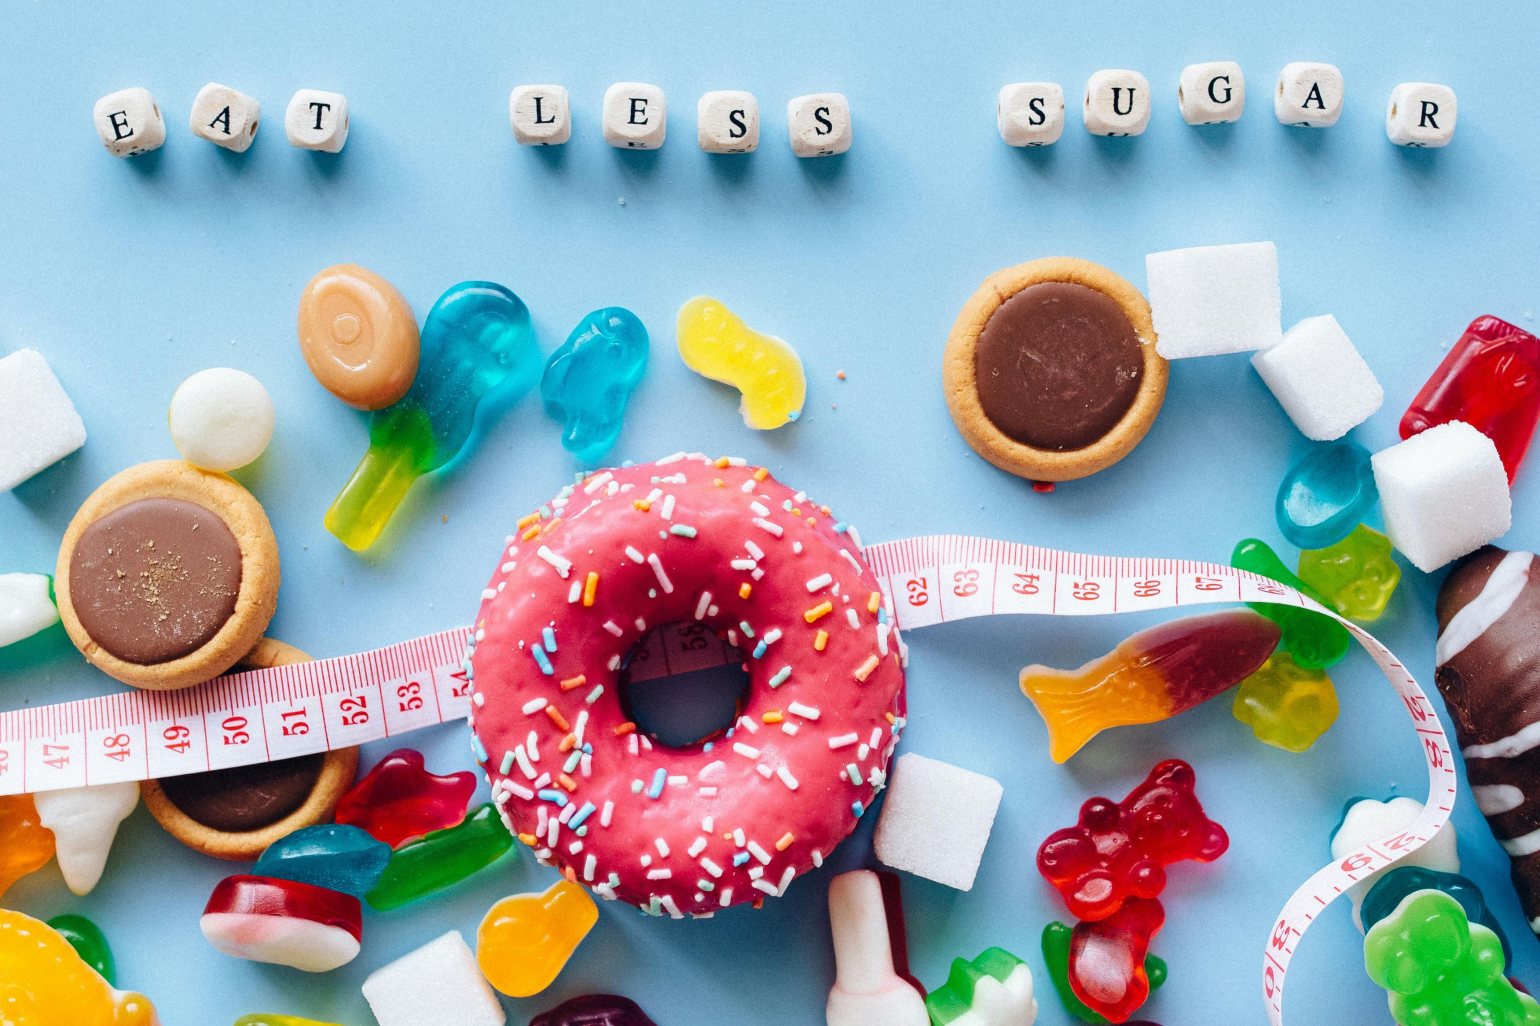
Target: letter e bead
1421, 114
1212, 93
635, 116
819, 124
129, 122
225, 117
317, 120
1030, 113
540, 115
1309, 95
1117, 102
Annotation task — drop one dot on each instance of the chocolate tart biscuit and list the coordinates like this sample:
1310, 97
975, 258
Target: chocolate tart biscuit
167, 575
236, 813
1051, 371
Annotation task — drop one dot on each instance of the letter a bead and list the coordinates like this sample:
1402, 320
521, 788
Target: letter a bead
225, 117
1309, 95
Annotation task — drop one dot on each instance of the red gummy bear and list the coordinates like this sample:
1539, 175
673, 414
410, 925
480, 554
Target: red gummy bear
1490, 380
399, 799
1119, 850
1106, 958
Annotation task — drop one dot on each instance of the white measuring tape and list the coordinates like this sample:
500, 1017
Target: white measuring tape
285, 711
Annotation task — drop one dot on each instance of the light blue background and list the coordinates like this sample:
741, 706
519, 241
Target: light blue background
131, 275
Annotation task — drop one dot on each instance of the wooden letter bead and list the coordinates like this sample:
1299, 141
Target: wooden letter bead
819, 124
1030, 113
317, 120
1117, 102
1421, 114
129, 122
727, 121
1212, 93
1309, 95
635, 116
225, 117
540, 115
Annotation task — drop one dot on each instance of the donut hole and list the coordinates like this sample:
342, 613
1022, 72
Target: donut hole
686, 709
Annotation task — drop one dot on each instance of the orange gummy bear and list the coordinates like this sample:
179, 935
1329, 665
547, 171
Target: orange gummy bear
526, 939
25, 844
43, 982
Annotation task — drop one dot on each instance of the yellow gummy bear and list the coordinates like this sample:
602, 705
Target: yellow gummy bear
43, 982
715, 343
526, 939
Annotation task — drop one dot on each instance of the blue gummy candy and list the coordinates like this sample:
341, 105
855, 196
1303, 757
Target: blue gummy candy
1325, 495
334, 855
589, 379
1389, 890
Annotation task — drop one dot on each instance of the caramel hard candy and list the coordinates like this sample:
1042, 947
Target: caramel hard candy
359, 336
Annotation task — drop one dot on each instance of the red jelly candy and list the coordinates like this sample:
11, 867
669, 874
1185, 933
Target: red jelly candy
1119, 850
283, 922
594, 1010
1490, 380
1106, 958
399, 799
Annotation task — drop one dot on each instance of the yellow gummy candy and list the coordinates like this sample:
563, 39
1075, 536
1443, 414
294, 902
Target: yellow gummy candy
526, 939
43, 982
715, 343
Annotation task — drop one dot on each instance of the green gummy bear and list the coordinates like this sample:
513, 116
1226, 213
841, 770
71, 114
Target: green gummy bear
89, 943
1314, 640
1440, 969
954, 999
1356, 576
1056, 938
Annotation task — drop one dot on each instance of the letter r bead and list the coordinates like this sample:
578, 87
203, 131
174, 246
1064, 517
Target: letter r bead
1421, 115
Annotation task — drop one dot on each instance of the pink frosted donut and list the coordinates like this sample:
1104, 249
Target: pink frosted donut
685, 831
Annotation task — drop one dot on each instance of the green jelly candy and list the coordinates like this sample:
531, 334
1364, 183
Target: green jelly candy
443, 857
996, 970
1357, 575
1056, 938
1315, 640
89, 943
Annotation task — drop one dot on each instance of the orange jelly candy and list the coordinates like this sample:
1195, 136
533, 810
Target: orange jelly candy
44, 982
25, 844
526, 939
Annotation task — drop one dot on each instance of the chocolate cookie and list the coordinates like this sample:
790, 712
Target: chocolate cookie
1051, 371
236, 813
167, 575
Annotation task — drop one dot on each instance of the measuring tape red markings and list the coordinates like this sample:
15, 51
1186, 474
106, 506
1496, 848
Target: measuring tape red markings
310, 707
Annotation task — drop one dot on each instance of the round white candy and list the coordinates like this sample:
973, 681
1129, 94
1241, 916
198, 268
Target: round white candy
221, 419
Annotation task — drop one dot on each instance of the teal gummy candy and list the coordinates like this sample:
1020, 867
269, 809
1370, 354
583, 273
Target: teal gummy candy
335, 856
1325, 494
955, 999
1391, 889
478, 352
590, 378
1315, 640
89, 943
441, 858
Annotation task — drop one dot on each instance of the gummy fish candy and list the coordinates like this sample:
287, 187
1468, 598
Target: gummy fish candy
589, 379
1356, 576
1285, 704
715, 343
1150, 676
44, 982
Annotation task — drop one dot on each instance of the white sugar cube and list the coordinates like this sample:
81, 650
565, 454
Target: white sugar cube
936, 820
1117, 102
1444, 493
129, 122
1421, 115
225, 117
1211, 93
317, 120
1211, 300
635, 116
1309, 95
1030, 113
541, 115
727, 121
38, 423
819, 124
439, 982
26, 606
1319, 379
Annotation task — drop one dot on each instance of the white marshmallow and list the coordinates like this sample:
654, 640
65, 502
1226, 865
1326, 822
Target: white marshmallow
1212, 300
129, 122
26, 606
84, 821
1368, 820
38, 422
422, 985
541, 115
727, 121
1421, 115
317, 120
1309, 95
225, 117
635, 116
1319, 379
1117, 102
221, 419
1444, 493
936, 820
1212, 93
819, 124
1030, 113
